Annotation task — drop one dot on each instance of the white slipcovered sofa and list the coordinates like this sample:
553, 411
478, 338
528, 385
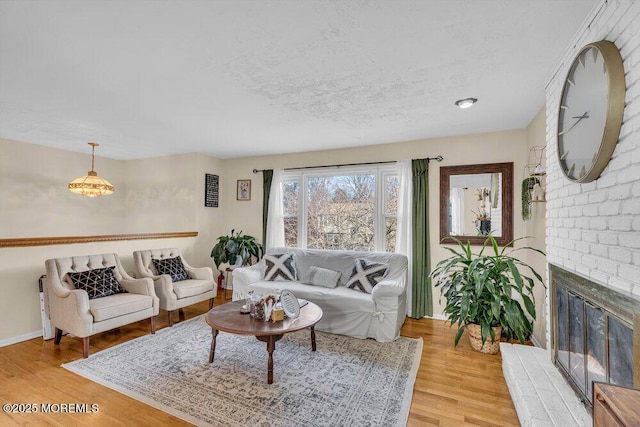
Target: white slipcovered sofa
377, 315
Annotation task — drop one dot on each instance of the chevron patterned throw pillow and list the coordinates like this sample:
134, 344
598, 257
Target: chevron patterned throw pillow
365, 275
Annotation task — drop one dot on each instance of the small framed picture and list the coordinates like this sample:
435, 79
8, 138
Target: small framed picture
244, 189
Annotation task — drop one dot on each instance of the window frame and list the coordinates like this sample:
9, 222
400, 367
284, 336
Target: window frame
380, 173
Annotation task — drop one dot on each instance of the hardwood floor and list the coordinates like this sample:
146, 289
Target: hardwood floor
454, 387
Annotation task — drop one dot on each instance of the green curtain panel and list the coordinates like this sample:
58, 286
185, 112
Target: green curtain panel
267, 177
421, 301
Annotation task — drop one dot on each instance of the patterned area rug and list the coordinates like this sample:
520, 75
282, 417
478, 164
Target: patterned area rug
346, 382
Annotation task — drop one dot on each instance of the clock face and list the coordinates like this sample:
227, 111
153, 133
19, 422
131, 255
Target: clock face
588, 126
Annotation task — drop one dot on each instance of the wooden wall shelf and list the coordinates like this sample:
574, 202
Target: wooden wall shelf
67, 240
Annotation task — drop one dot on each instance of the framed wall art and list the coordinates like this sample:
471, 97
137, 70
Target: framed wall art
244, 190
211, 190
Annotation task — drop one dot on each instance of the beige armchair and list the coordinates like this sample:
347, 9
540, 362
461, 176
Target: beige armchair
198, 286
72, 311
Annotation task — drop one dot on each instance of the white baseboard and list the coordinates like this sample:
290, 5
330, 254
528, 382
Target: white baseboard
20, 338
437, 317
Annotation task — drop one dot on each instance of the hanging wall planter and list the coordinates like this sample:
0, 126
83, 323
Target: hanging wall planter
527, 188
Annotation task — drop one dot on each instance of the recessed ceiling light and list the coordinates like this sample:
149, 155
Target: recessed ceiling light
466, 103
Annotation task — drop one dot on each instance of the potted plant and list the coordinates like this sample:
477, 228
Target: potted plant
236, 249
482, 293
482, 222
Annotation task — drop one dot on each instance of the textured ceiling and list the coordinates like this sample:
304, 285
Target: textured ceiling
244, 78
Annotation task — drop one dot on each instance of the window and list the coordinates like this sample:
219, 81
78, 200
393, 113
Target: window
340, 208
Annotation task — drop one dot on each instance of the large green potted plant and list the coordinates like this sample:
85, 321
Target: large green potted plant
236, 249
482, 292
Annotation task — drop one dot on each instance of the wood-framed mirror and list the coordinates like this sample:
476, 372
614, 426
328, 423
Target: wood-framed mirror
475, 201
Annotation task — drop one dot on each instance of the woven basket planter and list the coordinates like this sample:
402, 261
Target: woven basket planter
475, 338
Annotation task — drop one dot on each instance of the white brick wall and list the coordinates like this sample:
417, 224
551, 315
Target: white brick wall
593, 229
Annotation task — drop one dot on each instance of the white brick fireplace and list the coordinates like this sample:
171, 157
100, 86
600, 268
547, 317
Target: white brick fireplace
593, 229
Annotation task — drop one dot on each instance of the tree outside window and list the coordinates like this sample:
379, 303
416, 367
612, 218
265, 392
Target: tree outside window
354, 211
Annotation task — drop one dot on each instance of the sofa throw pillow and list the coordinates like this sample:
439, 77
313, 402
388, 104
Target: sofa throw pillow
171, 266
324, 277
279, 268
365, 275
99, 282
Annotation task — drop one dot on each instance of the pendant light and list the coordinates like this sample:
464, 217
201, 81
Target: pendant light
91, 185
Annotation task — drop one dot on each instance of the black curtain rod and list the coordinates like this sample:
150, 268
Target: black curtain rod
438, 158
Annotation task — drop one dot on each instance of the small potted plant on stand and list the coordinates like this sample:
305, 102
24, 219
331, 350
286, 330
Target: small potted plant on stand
482, 293
236, 250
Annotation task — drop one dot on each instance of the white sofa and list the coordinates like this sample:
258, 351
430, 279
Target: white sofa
378, 315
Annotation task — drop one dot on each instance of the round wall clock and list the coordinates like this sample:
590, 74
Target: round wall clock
591, 109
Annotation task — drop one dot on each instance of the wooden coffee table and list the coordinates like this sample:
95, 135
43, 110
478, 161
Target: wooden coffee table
227, 318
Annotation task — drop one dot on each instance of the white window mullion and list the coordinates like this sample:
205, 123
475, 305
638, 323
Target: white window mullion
302, 214
378, 221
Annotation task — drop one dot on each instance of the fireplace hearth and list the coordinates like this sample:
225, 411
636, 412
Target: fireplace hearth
595, 333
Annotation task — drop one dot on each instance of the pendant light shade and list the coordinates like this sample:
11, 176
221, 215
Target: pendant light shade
91, 185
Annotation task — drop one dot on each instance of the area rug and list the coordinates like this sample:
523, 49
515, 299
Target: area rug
346, 382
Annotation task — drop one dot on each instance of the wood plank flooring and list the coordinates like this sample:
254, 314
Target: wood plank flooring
454, 387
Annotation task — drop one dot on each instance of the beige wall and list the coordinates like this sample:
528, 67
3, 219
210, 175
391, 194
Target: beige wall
34, 200
164, 194
161, 194
535, 227
210, 222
